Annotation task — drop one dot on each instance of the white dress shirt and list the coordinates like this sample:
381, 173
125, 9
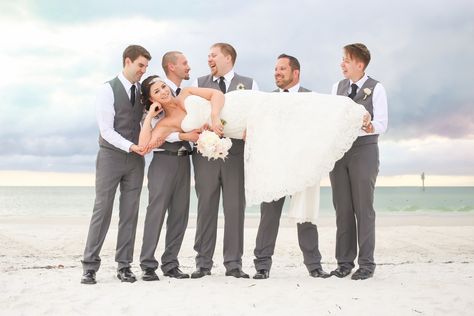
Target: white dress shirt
379, 102
293, 89
105, 112
227, 79
172, 85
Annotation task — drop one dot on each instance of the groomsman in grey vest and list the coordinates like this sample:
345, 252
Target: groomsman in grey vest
287, 79
213, 176
169, 184
354, 175
119, 162
176, 68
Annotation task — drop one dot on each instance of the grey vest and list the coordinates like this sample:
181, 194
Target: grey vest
238, 82
301, 89
241, 81
370, 83
127, 117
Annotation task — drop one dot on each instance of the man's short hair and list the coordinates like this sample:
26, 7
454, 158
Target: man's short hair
294, 63
135, 51
358, 51
227, 50
169, 57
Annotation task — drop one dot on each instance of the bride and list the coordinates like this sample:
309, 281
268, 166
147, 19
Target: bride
292, 140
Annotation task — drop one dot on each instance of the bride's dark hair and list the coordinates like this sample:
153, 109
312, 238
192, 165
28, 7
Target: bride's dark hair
146, 85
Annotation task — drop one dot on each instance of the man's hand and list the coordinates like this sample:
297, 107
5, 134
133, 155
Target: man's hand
366, 119
369, 128
367, 123
138, 149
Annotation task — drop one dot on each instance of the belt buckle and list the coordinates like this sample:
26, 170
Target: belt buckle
182, 153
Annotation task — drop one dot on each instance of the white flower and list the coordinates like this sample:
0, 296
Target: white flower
240, 86
213, 147
367, 92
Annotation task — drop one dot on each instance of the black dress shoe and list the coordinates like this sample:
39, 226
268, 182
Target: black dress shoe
88, 277
149, 274
176, 273
237, 273
341, 272
362, 274
126, 275
200, 272
262, 274
319, 273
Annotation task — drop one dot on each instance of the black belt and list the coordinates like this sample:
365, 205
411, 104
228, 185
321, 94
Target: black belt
174, 153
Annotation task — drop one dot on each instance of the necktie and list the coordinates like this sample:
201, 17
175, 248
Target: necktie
353, 91
178, 91
286, 90
132, 95
222, 84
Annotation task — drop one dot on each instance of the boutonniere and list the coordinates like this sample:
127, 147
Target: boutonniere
240, 86
367, 92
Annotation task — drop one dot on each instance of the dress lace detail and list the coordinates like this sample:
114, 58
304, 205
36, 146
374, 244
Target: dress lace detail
293, 139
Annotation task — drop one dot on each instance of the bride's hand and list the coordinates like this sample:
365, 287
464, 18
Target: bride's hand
217, 126
155, 109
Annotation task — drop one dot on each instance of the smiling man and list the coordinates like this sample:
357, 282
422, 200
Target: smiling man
354, 175
119, 162
287, 79
213, 176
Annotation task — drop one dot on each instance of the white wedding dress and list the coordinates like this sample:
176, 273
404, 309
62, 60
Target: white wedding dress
293, 139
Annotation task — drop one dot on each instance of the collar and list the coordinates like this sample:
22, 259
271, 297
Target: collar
126, 84
228, 76
171, 84
361, 81
293, 89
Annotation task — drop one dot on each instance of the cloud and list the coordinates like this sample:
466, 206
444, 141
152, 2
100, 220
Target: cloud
55, 56
434, 156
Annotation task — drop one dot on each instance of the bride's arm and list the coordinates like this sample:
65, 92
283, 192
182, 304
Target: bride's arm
158, 136
147, 125
216, 98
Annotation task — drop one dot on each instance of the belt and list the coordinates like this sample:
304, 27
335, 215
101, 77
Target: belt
174, 153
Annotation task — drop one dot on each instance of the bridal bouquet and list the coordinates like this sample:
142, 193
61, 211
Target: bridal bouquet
211, 146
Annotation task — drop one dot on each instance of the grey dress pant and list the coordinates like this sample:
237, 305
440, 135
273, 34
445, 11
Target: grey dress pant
353, 184
210, 177
270, 214
169, 189
114, 168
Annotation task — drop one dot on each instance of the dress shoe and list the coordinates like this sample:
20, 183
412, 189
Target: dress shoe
176, 273
362, 274
341, 272
237, 273
88, 277
319, 273
149, 274
200, 272
262, 274
126, 275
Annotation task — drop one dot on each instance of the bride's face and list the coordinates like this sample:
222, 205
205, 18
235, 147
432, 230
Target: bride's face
160, 92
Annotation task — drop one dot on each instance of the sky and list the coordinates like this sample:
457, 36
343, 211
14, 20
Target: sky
55, 54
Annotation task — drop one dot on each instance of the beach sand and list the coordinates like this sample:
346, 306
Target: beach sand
425, 267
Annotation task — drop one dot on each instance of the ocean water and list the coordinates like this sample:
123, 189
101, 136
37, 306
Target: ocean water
78, 201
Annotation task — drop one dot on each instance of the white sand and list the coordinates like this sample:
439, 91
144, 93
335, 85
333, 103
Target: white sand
425, 267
